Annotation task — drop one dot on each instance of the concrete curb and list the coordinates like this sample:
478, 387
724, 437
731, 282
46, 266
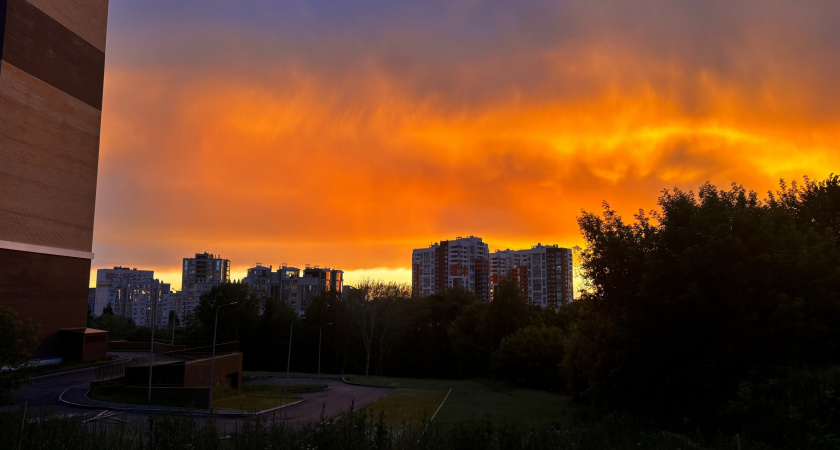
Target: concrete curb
77, 369
147, 410
344, 380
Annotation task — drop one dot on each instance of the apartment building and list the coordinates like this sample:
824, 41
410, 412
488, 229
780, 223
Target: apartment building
199, 275
543, 272
461, 262
133, 293
292, 287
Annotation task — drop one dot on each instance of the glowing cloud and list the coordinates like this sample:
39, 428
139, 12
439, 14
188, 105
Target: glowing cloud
309, 140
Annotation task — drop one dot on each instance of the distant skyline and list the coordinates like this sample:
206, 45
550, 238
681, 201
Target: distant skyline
346, 134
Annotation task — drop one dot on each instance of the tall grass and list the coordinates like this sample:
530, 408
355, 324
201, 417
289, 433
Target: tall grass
355, 430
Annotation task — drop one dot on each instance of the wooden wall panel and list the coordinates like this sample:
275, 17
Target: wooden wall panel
2, 26
49, 290
53, 54
87, 18
50, 154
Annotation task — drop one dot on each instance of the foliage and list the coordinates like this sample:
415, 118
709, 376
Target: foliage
531, 357
19, 340
233, 321
479, 329
118, 327
795, 405
356, 429
684, 303
426, 349
374, 310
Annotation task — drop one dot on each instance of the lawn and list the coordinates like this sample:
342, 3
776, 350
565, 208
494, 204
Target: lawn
258, 398
475, 398
408, 405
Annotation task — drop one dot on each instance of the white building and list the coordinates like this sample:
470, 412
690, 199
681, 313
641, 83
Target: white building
132, 293
258, 279
199, 275
423, 271
289, 286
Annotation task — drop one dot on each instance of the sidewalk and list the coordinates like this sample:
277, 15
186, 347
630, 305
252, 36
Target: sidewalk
77, 396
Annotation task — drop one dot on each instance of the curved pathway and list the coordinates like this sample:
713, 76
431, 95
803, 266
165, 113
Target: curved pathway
68, 392
337, 399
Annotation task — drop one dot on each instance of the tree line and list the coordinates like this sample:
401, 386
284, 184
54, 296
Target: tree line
717, 308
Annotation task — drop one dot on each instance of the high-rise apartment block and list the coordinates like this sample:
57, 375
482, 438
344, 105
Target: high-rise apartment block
543, 272
259, 279
462, 262
52, 62
135, 294
199, 275
289, 286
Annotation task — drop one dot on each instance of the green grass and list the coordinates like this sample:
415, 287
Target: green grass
258, 398
408, 405
471, 399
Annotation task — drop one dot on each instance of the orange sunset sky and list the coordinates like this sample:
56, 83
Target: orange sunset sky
345, 134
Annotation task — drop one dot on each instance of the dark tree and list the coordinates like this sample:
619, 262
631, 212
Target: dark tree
235, 322
480, 328
683, 304
19, 340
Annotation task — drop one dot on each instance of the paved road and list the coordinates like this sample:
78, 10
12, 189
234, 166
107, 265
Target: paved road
333, 401
44, 390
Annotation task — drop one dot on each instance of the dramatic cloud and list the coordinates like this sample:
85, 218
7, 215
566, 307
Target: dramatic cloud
347, 133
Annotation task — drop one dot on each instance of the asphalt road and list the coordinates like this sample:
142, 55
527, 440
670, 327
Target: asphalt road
44, 390
335, 400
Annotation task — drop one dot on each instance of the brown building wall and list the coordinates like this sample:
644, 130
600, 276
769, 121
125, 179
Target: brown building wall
50, 290
52, 61
230, 365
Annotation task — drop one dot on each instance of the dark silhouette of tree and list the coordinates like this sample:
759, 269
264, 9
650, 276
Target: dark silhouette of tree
684, 303
118, 327
531, 357
371, 308
480, 328
19, 340
235, 322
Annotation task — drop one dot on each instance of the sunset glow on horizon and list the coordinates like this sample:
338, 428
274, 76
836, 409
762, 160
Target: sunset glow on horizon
346, 136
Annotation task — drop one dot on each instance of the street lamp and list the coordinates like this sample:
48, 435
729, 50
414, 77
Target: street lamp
213, 356
152, 345
320, 329
289, 358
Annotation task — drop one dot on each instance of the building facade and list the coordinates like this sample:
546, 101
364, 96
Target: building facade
292, 287
199, 275
52, 61
135, 294
543, 272
258, 279
462, 262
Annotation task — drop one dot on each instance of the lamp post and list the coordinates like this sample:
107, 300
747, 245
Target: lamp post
152, 346
320, 329
289, 357
213, 356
